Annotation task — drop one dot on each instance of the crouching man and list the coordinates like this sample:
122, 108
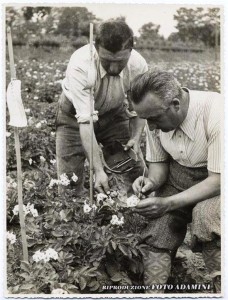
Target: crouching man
183, 151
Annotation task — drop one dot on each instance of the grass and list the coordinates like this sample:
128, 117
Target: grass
63, 53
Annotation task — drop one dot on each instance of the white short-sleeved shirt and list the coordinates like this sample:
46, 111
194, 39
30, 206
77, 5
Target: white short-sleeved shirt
196, 142
75, 83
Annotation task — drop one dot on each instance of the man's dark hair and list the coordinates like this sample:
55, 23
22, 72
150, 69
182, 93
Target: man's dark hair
114, 36
161, 83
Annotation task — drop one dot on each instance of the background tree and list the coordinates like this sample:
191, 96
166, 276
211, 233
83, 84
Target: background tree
198, 24
39, 12
74, 21
150, 31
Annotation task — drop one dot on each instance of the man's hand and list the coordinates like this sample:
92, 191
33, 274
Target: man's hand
153, 207
133, 143
101, 182
142, 185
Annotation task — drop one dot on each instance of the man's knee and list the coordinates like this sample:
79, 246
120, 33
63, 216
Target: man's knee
206, 219
166, 232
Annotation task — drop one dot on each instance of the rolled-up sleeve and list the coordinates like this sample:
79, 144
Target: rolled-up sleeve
154, 150
74, 89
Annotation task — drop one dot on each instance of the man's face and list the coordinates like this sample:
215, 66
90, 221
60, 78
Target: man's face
113, 63
158, 115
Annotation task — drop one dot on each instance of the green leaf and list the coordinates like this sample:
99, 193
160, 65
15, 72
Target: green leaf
57, 233
92, 283
114, 245
27, 286
117, 277
123, 249
25, 266
63, 215
82, 282
134, 252
25, 276
71, 289
95, 287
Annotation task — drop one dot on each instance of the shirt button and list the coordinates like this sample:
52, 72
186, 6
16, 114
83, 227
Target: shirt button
181, 152
179, 136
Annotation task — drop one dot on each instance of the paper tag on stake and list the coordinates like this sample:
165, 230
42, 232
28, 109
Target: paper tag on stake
15, 104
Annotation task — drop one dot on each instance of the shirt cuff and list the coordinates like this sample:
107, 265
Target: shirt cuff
85, 118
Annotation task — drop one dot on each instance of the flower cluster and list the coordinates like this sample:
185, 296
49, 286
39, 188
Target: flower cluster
117, 221
42, 159
27, 110
106, 198
53, 162
101, 197
39, 124
59, 292
45, 256
87, 208
30, 161
11, 183
64, 180
132, 201
26, 209
11, 237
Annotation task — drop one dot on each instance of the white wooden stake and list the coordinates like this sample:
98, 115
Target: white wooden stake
18, 157
91, 116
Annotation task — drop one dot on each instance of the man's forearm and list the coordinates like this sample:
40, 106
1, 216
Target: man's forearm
158, 173
85, 134
136, 127
206, 189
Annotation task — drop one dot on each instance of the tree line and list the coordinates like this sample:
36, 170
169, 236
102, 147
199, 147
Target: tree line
61, 24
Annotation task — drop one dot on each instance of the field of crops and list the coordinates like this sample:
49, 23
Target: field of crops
73, 247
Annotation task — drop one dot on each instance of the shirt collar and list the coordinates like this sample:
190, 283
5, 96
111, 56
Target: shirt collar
188, 125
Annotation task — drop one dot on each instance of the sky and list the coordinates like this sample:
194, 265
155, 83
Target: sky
139, 14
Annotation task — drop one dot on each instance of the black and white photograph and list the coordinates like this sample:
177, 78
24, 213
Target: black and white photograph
114, 149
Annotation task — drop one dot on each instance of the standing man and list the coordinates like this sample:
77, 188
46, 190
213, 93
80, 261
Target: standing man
116, 64
184, 155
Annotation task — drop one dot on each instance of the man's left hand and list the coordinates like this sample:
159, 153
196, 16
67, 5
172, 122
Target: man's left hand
153, 207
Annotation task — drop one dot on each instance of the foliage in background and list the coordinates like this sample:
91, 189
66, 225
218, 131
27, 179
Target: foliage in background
195, 27
198, 25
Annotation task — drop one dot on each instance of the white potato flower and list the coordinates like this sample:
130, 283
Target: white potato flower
86, 208
132, 201
74, 178
64, 180
11, 237
59, 292
42, 159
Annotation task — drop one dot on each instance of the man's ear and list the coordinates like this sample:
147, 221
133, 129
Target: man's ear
176, 104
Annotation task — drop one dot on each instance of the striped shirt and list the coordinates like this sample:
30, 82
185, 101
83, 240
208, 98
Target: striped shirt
109, 91
196, 142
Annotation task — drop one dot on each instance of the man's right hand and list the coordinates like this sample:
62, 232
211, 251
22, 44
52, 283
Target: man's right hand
101, 182
142, 185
